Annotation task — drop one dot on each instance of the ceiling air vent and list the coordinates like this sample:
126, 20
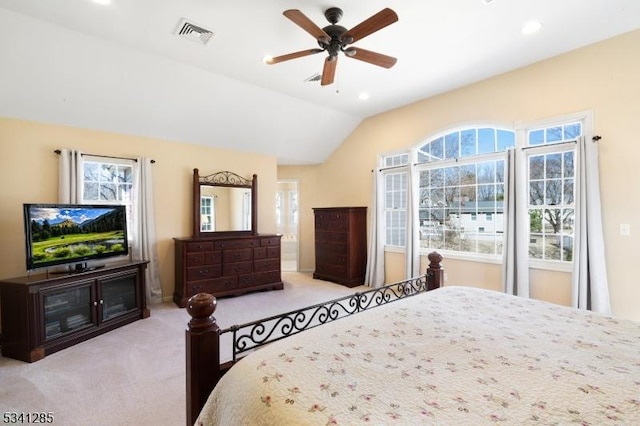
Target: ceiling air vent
193, 32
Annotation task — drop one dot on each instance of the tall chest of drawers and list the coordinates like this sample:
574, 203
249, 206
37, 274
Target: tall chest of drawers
341, 244
225, 266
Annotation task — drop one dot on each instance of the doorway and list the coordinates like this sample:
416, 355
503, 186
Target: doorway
287, 222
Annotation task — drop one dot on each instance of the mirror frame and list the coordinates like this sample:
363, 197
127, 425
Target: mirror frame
229, 180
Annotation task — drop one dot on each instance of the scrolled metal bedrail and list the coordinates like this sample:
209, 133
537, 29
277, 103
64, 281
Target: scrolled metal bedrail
251, 335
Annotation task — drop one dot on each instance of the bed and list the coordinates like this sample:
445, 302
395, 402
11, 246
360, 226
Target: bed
443, 355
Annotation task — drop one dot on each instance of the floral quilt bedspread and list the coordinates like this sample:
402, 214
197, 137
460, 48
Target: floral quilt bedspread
454, 355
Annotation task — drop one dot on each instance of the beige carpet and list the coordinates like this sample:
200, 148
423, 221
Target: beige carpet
135, 374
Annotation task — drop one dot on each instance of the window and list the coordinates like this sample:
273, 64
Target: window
207, 222
460, 198
395, 208
395, 201
462, 177
109, 182
551, 175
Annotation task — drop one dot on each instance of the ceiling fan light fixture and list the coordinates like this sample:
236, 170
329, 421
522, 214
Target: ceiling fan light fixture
350, 52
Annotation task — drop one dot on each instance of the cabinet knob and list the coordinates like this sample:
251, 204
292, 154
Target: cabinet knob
95, 303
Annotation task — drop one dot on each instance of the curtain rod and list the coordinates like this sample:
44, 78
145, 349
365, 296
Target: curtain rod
596, 138
57, 151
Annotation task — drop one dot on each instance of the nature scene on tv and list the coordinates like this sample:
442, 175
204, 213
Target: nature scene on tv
66, 234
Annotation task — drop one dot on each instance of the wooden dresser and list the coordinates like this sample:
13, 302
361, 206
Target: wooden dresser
341, 244
224, 266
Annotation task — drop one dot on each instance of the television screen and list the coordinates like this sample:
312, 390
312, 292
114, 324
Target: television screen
58, 234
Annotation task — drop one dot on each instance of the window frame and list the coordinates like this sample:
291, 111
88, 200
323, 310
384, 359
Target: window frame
523, 129
520, 130
130, 206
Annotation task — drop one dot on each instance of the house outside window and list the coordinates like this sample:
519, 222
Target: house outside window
461, 179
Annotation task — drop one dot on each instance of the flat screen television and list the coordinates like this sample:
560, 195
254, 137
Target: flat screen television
58, 234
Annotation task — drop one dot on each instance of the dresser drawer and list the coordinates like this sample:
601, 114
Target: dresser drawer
237, 255
273, 252
237, 268
217, 285
330, 247
260, 253
203, 258
199, 246
331, 270
272, 241
259, 278
203, 272
332, 258
266, 265
330, 237
235, 244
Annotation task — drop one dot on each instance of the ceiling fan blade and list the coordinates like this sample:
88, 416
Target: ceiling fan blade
301, 20
329, 70
293, 55
371, 57
369, 26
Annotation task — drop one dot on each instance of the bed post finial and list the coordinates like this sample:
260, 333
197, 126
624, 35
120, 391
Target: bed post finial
203, 353
435, 273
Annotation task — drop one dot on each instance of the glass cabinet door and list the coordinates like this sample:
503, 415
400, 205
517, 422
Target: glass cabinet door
66, 310
118, 296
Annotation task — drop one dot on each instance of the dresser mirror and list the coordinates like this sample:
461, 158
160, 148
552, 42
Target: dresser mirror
224, 203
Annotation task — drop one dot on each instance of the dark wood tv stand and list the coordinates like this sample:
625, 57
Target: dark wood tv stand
44, 313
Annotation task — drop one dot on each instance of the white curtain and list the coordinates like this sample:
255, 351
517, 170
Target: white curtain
413, 225
589, 282
515, 253
70, 176
145, 245
374, 274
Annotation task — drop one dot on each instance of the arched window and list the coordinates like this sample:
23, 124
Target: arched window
460, 192
461, 185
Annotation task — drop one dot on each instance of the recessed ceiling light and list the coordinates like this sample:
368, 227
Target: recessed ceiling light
363, 96
531, 27
103, 2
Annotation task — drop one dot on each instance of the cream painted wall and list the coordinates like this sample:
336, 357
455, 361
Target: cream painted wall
29, 174
601, 78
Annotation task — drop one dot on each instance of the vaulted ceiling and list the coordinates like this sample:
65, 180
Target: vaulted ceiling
121, 67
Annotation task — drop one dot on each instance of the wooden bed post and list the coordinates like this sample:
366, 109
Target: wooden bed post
203, 353
435, 273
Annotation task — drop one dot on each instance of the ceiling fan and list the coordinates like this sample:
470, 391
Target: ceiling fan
335, 39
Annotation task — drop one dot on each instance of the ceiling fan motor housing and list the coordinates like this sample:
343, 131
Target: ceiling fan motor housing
337, 43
